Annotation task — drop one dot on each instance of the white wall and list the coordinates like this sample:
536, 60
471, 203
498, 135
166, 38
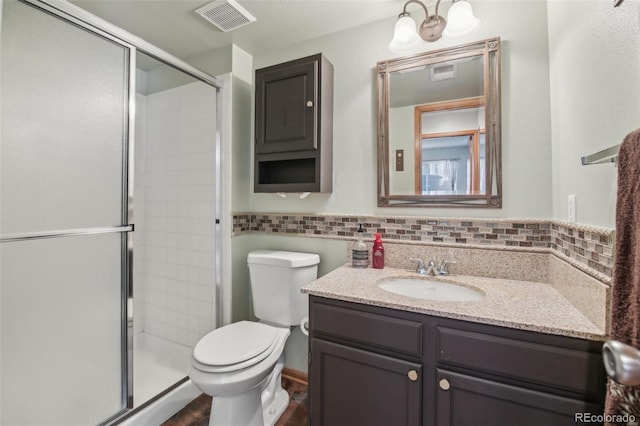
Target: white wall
214, 62
595, 99
522, 25
401, 136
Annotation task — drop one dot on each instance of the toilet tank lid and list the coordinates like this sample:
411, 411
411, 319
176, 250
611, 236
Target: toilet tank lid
290, 259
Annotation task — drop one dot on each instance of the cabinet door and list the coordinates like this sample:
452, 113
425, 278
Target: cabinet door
285, 108
468, 401
352, 387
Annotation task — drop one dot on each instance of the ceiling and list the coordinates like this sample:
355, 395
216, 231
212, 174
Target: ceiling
174, 26
416, 86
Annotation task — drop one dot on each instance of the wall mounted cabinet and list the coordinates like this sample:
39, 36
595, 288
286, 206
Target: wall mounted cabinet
294, 126
377, 366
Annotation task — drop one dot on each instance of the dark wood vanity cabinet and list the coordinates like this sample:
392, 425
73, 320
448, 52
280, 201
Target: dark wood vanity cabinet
365, 368
294, 126
360, 387
379, 366
471, 400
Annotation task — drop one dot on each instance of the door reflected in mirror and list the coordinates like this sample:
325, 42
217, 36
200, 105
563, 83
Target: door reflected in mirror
452, 165
451, 140
442, 110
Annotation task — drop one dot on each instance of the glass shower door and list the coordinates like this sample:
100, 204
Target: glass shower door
63, 221
175, 177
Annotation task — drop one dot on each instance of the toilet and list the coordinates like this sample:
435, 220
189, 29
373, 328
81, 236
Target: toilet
240, 364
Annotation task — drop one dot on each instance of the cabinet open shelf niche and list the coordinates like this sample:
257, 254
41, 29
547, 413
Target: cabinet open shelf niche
287, 172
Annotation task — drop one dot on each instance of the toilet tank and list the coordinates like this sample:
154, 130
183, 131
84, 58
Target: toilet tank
276, 279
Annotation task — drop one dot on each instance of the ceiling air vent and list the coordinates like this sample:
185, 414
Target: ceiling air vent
226, 15
443, 72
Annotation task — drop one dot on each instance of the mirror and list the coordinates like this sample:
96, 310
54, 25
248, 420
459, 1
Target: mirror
439, 129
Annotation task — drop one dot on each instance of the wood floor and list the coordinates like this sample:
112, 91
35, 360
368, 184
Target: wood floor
196, 413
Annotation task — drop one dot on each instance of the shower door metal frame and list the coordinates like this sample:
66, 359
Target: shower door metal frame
79, 17
125, 228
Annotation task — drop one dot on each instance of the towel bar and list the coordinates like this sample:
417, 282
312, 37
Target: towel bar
609, 155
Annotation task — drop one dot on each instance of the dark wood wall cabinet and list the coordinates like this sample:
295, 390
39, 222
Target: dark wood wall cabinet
376, 366
294, 126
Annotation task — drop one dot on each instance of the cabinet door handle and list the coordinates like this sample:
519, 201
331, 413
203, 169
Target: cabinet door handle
444, 384
309, 104
413, 375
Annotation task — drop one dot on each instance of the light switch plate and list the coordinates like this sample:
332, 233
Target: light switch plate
399, 160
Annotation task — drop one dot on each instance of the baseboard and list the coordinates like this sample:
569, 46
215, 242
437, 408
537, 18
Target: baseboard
295, 376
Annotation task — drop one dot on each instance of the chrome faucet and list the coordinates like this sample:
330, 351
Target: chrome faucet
442, 270
421, 269
430, 268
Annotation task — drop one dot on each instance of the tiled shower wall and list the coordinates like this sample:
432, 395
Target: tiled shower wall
588, 248
174, 257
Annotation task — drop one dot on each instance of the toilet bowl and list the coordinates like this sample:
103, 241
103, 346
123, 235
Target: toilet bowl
240, 371
240, 365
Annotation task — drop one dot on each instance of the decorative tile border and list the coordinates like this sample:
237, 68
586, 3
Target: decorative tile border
588, 248
584, 245
241, 223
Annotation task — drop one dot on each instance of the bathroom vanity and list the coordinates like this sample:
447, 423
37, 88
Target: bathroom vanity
377, 358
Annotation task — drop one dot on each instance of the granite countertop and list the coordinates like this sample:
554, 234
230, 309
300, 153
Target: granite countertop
522, 305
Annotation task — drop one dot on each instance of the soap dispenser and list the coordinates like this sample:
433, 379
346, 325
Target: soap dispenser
360, 252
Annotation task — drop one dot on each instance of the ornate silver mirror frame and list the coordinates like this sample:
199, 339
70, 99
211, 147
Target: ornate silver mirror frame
485, 194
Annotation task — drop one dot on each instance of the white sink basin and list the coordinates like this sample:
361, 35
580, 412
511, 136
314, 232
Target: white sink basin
430, 289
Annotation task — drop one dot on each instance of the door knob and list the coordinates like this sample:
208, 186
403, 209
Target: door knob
309, 104
444, 384
413, 375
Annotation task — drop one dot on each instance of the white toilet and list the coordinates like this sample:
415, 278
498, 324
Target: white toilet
240, 364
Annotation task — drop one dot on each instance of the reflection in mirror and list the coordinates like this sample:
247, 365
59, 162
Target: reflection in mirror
439, 118
453, 135
452, 165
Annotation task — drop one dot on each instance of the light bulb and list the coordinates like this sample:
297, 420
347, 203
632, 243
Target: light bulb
405, 36
461, 21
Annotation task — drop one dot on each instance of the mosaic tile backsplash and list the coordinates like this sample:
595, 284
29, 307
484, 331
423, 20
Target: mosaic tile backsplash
588, 248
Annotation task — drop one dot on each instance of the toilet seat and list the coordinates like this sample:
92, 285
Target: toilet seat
234, 347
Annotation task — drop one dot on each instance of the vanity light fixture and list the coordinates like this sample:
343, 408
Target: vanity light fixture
460, 22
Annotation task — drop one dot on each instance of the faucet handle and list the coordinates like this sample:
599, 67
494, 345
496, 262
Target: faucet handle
442, 270
420, 268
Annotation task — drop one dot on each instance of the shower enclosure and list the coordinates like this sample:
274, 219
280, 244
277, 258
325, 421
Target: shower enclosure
174, 265
98, 315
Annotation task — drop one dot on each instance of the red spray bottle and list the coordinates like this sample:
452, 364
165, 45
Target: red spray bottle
378, 252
